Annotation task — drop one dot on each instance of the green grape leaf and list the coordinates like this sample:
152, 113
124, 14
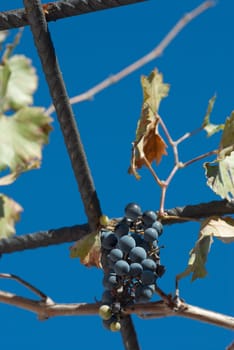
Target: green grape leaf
22, 137
148, 143
21, 83
88, 249
220, 176
9, 214
209, 127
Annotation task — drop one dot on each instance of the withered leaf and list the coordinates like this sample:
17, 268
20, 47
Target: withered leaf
88, 249
149, 145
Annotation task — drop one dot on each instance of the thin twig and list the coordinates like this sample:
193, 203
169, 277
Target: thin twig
35, 290
156, 52
202, 156
187, 135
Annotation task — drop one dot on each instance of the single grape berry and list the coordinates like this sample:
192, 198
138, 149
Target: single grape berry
107, 323
158, 226
121, 267
135, 269
150, 234
126, 243
109, 240
110, 281
137, 254
105, 312
104, 220
115, 326
148, 277
144, 293
116, 254
132, 211
149, 264
149, 217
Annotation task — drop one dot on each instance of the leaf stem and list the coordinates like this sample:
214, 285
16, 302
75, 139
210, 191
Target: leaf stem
159, 182
202, 156
188, 134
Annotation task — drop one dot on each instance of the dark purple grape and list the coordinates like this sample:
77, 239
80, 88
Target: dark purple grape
149, 217
109, 240
157, 225
150, 234
148, 277
135, 269
121, 268
143, 293
110, 281
126, 243
146, 294
149, 264
116, 254
132, 211
137, 254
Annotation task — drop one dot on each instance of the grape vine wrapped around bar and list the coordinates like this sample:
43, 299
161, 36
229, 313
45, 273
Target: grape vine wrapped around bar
132, 263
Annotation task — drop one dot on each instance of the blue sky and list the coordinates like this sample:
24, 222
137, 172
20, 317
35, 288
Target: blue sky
197, 64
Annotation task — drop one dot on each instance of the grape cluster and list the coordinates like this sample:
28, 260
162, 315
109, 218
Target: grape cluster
132, 263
